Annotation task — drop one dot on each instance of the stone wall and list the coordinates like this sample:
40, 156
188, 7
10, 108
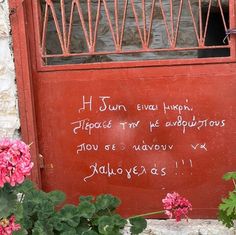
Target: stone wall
190, 227
9, 118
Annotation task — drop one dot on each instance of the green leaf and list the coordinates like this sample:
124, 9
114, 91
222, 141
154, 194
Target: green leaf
46, 209
8, 202
25, 187
228, 221
229, 204
56, 197
27, 222
86, 198
20, 232
90, 233
107, 201
69, 232
36, 197
105, 224
119, 221
70, 215
39, 229
82, 228
230, 176
18, 211
86, 209
58, 225
138, 225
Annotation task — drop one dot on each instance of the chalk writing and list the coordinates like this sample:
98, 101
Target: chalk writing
130, 125
143, 147
86, 125
86, 103
105, 105
110, 147
183, 163
147, 107
128, 172
199, 146
194, 123
177, 107
87, 147
109, 107
154, 124
152, 147
161, 118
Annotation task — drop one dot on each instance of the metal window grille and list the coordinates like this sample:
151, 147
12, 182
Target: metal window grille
86, 31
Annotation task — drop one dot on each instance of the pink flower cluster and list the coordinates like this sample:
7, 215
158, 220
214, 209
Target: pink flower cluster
15, 162
8, 226
176, 206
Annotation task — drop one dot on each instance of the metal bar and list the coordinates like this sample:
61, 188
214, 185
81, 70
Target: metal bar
70, 25
171, 21
44, 33
232, 24
63, 16
123, 24
137, 24
178, 23
223, 17
135, 51
144, 23
51, 6
151, 22
83, 24
194, 23
116, 13
207, 20
39, 16
110, 25
96, 25
200, 22
90, 25
165, 22
206, 62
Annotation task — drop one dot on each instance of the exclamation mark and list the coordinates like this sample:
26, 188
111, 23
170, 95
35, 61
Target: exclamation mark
176, 166
183, 165
191, 165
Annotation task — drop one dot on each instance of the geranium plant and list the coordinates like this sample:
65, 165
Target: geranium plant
15, 165
227, 208
175, 206
27, 210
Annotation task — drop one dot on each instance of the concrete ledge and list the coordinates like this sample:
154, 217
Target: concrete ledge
192, 227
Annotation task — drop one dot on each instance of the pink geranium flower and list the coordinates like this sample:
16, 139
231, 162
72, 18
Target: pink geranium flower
8, 226
15, 162
176, 206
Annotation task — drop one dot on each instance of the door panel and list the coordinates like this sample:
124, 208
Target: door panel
139, 133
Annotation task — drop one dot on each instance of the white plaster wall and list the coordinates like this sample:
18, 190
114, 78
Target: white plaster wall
9, 117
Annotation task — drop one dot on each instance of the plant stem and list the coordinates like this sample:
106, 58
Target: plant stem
234, 183
22, 197
146, 214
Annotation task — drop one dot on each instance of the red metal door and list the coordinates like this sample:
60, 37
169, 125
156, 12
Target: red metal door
130, 117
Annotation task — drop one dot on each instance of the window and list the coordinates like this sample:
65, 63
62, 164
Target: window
88, 31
